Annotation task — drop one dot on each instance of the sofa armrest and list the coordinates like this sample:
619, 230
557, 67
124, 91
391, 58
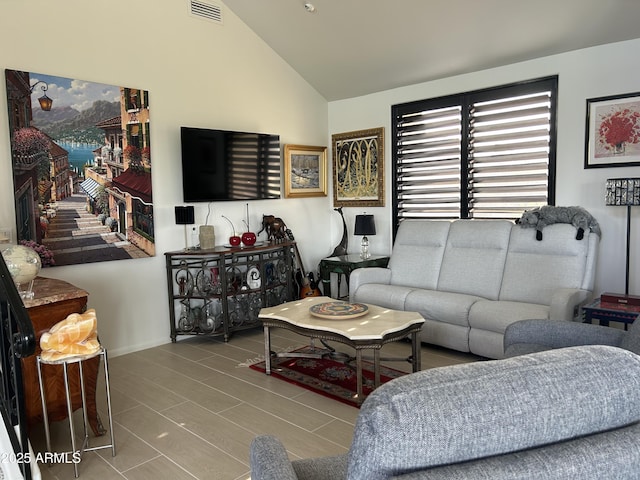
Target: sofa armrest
549, 334
362, 276
565, 303
269, 460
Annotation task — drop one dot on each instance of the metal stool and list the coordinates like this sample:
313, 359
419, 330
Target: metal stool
65, 362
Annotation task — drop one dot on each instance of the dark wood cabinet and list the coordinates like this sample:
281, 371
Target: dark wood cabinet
54, 300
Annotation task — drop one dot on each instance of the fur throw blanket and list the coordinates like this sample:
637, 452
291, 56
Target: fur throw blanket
540, 217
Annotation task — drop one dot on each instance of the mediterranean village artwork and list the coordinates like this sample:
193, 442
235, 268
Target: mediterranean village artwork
81, 162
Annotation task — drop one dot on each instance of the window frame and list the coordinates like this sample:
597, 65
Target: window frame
466, 100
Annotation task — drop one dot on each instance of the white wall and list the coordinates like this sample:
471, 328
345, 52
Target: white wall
198, 73
202, 74
583, 74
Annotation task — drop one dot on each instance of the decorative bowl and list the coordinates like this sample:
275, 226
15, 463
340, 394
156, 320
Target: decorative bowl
24, 264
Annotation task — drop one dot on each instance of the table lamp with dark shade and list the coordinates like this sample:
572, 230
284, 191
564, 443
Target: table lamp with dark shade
185, 216
624, 192
365, 226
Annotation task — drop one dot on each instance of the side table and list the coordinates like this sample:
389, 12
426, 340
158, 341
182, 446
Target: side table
606, 312
382, 325
344, 265
54, 300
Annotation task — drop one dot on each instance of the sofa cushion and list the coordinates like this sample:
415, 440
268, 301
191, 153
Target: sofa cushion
465, 412
485, 343
445, 334
535, 269
389, 296
594, 457
417, 253
452, 308
496, 316
474, 257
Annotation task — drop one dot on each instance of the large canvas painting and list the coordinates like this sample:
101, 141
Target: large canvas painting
81, 168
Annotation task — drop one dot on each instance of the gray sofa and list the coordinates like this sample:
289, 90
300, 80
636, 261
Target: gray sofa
560, 414
530, 336
470, 279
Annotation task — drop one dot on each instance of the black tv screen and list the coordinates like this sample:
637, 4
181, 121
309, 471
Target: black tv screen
229, 165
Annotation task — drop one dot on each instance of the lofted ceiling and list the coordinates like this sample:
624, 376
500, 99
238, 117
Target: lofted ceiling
348, 48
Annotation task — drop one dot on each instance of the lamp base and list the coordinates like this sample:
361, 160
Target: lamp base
364, 248
620, 298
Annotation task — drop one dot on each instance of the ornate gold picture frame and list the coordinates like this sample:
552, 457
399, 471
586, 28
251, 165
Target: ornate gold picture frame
358, 168
305, 171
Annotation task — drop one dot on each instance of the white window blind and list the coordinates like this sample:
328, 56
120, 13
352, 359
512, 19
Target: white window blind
487, 154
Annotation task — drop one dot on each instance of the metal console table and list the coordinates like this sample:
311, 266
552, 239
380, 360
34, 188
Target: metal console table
219, 291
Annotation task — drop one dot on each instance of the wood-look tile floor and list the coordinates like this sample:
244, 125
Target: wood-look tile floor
189, 410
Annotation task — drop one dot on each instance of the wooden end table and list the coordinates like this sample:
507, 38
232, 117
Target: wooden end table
54, 300
369, 332
606, 312
345, 264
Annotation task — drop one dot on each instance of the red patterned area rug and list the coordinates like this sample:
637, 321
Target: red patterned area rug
327, 376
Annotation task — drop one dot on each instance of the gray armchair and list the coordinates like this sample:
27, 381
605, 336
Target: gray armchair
529, 336
560, 414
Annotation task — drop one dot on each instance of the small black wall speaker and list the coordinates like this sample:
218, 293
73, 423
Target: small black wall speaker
185, 216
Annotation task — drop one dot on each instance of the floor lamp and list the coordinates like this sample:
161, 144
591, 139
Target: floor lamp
624, 192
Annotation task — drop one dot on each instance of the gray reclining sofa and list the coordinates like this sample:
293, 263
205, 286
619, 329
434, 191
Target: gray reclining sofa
470, 279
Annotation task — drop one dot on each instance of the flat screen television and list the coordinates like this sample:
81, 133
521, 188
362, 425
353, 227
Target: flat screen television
222, 165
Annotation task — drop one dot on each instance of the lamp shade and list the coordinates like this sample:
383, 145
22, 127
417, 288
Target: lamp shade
622, 191
185, 215
365, 225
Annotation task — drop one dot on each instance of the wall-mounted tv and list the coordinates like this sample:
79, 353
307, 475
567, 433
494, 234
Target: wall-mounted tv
222, 165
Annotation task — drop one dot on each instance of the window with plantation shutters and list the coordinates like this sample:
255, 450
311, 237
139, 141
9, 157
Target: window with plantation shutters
484, 154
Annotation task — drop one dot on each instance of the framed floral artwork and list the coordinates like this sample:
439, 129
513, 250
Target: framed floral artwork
613, 131
358, 168
305, 171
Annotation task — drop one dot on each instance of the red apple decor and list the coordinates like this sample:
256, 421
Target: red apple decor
234, 240
248, 238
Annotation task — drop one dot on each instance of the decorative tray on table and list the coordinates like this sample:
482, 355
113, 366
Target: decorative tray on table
338, 310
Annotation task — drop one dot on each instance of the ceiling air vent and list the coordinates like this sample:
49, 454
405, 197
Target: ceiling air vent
206, 10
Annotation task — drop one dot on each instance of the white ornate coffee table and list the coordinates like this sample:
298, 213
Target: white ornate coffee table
365, 332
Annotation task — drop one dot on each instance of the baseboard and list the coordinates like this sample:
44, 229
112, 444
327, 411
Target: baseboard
116, 352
